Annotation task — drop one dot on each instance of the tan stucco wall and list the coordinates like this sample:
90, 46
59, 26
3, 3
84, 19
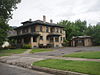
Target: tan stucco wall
45, 34
88, 42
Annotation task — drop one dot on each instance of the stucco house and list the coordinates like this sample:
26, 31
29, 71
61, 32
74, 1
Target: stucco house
39, 34
81, 41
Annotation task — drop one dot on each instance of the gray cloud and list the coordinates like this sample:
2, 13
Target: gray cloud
57, 10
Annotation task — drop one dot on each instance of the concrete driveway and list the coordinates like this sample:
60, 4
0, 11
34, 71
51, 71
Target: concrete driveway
67, 50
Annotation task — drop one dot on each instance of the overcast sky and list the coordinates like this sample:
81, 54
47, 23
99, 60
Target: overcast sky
57, 10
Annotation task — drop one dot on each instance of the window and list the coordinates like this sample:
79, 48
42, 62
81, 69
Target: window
60, 30
47, 29
34, 39
33, 29
61, 39
56, 39
57, 30
18, 32
51, 30
47, 38
64, 38
25, 30
41, 37
51, 39
40, 28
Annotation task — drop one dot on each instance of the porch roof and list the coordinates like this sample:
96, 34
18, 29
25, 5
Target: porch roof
24, 35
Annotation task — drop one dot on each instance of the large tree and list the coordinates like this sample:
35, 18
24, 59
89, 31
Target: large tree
6, 8
76, 28
94, 31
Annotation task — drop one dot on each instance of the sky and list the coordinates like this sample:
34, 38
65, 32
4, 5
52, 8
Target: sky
57, 10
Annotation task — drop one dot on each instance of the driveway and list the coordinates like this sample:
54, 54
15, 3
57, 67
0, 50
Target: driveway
67, 50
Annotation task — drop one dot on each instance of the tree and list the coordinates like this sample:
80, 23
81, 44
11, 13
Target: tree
81, 27
76, 28
94, 31
6, 8
3, 30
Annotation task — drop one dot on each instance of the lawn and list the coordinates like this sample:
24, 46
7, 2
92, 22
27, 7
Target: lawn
8, 52
87, 67
90, 55
40, 50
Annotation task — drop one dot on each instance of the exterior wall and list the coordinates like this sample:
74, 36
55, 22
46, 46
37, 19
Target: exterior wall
87, 42
56, 30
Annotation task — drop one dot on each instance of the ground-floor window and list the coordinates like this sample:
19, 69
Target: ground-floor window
56, 39
41, 37
34, 39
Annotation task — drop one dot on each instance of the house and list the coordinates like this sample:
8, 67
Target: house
39, 34
81, 41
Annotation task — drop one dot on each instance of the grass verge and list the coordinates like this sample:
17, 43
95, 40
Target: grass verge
8, 52
90, 55
87, 67
40, 50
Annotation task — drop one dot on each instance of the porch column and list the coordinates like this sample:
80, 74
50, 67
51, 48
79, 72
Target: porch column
73, 43
54, 41
31, 42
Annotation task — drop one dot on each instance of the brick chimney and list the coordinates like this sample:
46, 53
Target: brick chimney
44, 18
51, 21
30, 19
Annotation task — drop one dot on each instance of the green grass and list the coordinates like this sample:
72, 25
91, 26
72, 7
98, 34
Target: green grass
87, 67
11, 51
90, 55
40, 50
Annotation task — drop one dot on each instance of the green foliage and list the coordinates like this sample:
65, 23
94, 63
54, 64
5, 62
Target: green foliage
88, 67
79, 28
27, 46
65, 43
94, 31
76, 28
3, 30
6, 7
90, 55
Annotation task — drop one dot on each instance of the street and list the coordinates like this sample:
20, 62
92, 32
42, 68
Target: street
6, 69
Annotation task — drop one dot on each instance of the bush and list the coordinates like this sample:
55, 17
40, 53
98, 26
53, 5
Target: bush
26, 46
65, 43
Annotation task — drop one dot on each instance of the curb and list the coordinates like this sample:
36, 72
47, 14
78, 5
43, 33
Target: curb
42, 69
55, 71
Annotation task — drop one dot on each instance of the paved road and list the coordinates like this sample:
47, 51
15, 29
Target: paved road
6, 69
68, 50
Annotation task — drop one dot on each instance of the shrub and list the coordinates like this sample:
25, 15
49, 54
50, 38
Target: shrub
65, 43
26, 46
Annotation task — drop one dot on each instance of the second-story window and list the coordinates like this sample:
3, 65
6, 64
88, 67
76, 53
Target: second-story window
18, 32
33, 29
25, 30
60, 30
41, 37
47, 29
40, 28
61, 38
57, 30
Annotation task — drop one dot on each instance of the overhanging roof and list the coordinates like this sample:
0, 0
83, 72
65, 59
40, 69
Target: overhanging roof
38, 22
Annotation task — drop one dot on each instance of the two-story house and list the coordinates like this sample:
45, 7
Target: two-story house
40, 34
